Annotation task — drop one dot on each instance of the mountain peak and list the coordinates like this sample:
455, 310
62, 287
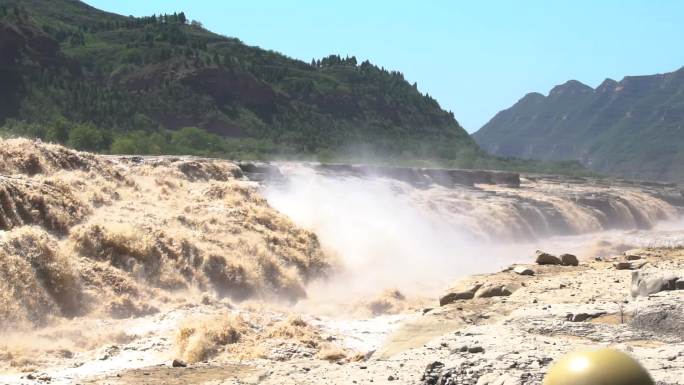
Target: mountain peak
607, 85
532, 97
571, 87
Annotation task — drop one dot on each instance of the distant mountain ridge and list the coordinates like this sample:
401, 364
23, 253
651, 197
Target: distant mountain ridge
632, 128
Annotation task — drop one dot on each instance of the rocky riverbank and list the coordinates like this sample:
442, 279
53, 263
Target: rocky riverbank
496, 337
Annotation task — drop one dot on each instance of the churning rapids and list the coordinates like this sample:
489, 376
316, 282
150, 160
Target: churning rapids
112, 263
419, 228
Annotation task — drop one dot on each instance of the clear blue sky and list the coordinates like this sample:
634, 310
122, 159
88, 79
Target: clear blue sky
474, 57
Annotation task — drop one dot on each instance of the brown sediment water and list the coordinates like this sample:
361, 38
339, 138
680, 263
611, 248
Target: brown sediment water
158, 254
88, 235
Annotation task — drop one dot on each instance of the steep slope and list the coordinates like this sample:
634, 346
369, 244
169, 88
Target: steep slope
631, 128
65, 63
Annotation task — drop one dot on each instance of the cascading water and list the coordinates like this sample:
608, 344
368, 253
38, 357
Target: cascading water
391, 232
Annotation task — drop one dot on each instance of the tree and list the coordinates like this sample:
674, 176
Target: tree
58, 131
194, 138
86, 137
181, 18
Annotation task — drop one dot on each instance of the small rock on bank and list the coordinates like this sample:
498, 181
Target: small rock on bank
522, 270
494, 290
178, 363
458, 294
629, 265
546, 258
569, 260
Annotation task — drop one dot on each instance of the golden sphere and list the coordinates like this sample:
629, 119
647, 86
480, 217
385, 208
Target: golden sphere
597, 367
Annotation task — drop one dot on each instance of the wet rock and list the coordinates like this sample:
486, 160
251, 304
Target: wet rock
391, 378
179, 363
679, 284
459, 294
110, 352
543, 258
257, 171
476, 349
569, 260
522, 270
494, 290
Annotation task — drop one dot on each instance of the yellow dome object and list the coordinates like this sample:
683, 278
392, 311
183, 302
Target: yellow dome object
597, 367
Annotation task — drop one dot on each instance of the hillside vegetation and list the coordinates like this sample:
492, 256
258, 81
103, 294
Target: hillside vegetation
103, 82
631, 128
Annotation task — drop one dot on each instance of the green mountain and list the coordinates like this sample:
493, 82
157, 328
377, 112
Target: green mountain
64, 61
633, 128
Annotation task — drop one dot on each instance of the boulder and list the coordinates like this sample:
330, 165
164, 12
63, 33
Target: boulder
432, 373
494, 290
569, 260
670, 282
546, 258
459, 294
522, 270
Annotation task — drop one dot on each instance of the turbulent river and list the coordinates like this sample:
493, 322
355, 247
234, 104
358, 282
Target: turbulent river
109, 264
419, 229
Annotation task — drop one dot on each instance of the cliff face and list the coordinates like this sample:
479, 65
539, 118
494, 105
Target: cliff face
631, 128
